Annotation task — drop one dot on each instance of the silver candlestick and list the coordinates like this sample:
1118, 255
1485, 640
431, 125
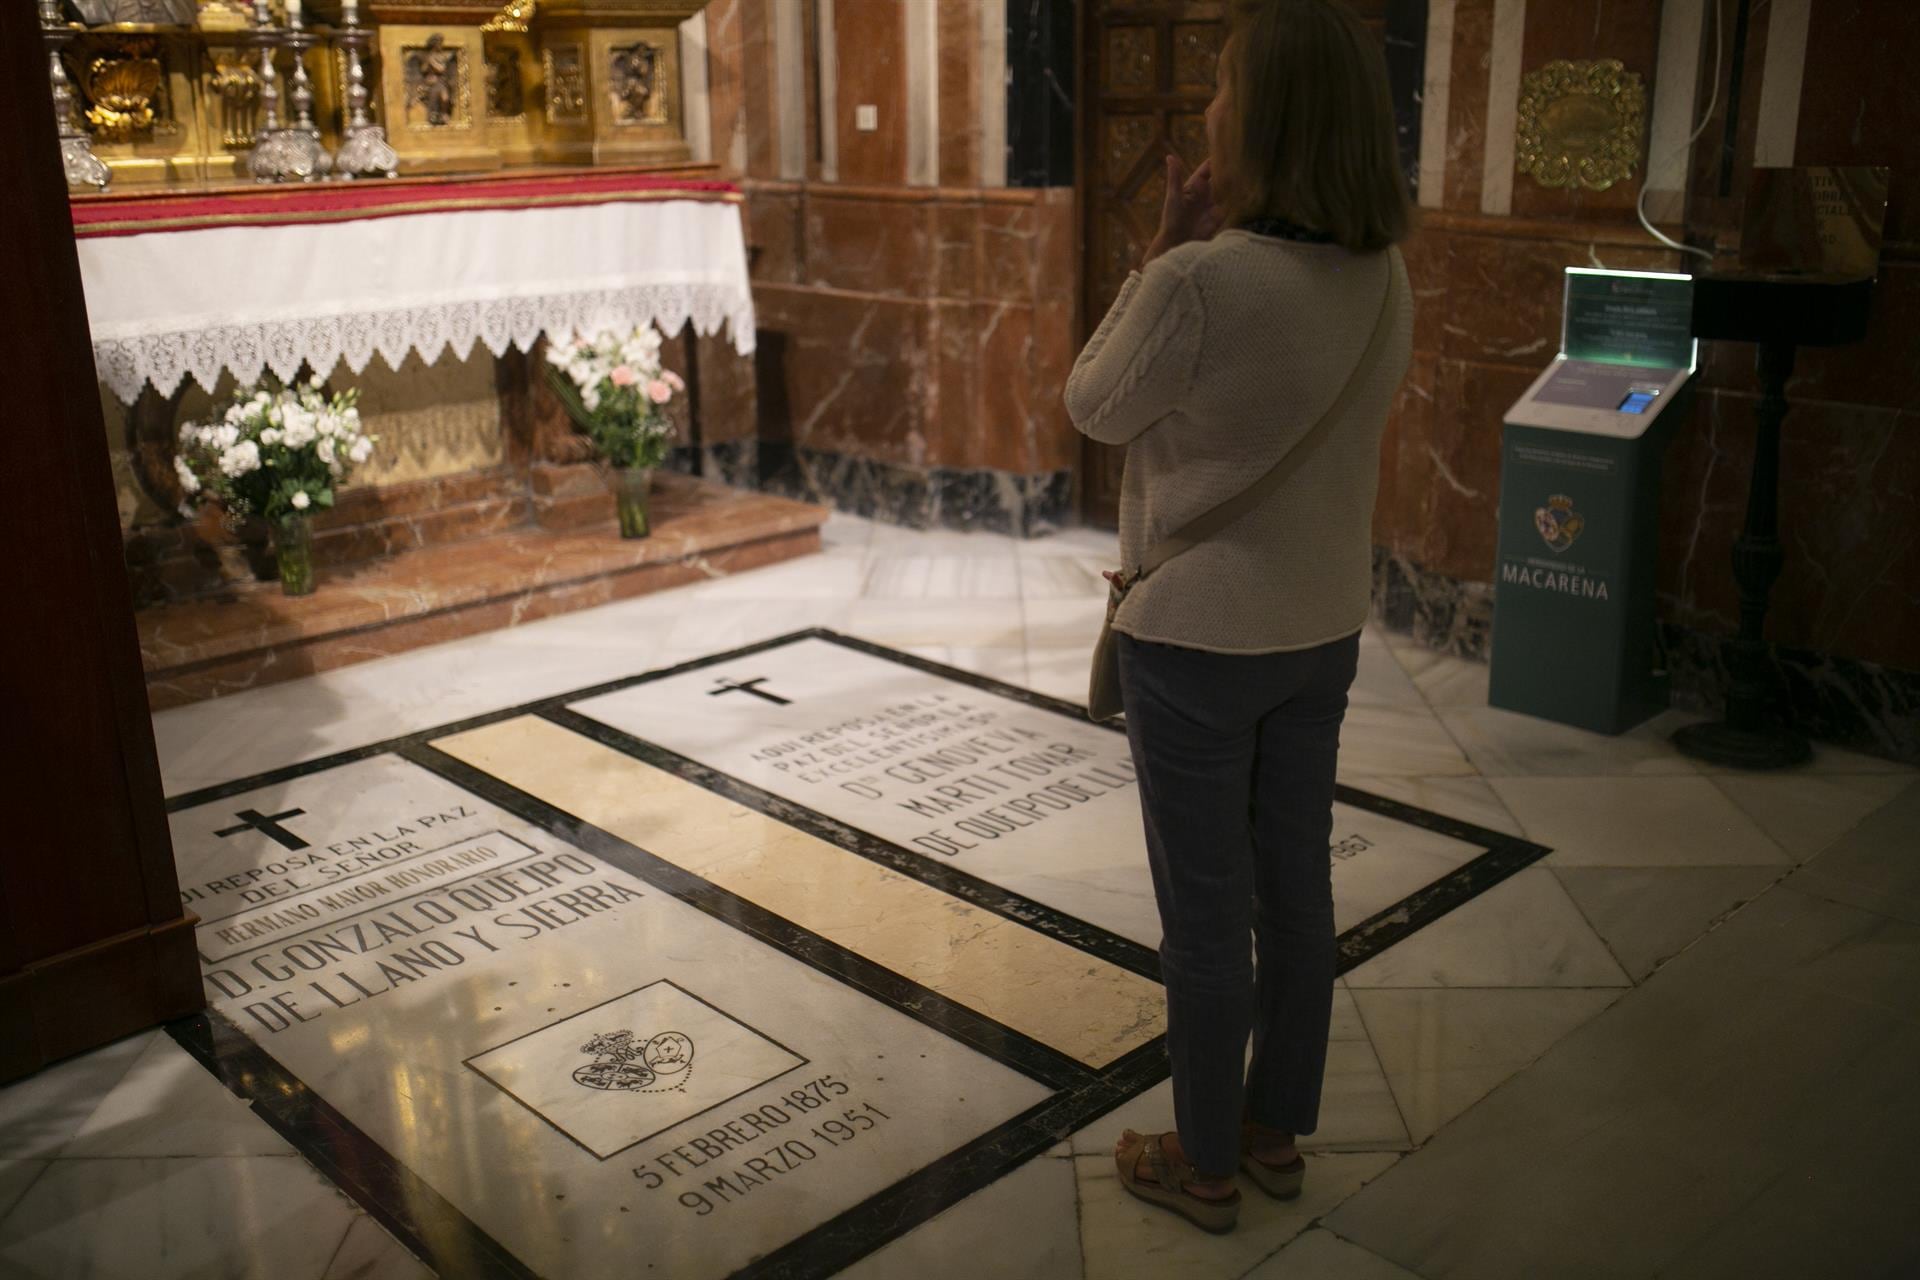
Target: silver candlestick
314, 160
278, 153
364, 150
84, 169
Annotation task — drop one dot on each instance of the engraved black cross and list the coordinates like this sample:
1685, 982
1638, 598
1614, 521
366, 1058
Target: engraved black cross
254, 820
752, 687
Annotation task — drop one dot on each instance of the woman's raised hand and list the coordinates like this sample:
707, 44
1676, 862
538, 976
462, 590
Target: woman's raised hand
1188, 212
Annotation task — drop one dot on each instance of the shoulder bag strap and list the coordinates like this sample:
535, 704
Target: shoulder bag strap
1213, 521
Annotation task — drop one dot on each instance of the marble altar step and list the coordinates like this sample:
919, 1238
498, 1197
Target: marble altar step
204, 557
254, 635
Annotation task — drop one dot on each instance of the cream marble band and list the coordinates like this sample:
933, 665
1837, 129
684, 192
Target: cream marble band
1676, 107
1056, 994
1503, 104
1435, 101
696, 96
923, 95
826, 37
993, 93
790, 89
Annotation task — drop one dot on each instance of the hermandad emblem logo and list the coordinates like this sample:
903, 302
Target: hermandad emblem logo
1558, 523
623, 1062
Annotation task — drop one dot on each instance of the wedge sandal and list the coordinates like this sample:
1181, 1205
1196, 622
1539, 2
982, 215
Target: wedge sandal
1281, 1181
1172, 1178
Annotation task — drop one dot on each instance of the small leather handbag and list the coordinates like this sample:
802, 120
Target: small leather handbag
1103, 688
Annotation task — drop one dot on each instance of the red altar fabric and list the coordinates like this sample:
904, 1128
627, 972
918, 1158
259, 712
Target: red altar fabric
271, 206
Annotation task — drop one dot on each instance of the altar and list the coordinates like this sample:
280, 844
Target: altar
321, 276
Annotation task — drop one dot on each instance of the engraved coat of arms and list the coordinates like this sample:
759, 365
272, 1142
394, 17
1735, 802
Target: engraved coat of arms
623, 1062
1559, 524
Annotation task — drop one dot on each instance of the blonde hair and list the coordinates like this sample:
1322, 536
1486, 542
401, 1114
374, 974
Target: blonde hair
1312, 129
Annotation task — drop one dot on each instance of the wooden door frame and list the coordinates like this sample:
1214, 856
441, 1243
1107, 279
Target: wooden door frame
94, 942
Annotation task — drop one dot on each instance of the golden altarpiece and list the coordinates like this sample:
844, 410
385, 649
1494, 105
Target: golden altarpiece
220, 154
172, 92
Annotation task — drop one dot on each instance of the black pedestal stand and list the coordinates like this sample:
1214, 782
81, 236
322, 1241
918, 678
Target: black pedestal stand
1754, 734
1780, 315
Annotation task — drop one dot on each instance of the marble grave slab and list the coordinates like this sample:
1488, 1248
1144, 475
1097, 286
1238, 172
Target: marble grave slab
743, 968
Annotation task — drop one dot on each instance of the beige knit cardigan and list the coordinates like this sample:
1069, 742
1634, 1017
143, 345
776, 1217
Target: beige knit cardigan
1212, 364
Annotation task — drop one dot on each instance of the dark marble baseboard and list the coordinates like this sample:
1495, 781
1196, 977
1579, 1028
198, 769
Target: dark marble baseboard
919, 497
734, 463
1860, 706
1440, 612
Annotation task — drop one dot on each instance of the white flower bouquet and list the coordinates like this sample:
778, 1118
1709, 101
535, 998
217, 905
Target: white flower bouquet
618, 393
276, 454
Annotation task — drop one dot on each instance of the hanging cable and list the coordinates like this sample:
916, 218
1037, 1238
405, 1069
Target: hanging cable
1713, 104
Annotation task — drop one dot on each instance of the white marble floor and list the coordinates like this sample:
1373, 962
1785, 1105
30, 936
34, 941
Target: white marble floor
1585, 982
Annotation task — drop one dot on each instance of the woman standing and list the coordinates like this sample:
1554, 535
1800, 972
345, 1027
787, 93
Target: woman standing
1267, 331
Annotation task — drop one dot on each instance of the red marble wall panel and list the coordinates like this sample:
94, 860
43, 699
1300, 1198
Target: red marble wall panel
1461, 468
1003, 431
728, 409
775, 238
1400, 510
1504, 296
1007, 266
868, 244
1425, 252
853, 371
870, 46
1850, 481
1056, 328
956, 248
954, 404
1625, 30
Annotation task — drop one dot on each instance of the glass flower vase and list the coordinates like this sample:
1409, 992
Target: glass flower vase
293, 554
632, 487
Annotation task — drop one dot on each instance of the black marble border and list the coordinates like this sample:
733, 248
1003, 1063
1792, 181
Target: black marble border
1040, 92
1407, 77
440, 1234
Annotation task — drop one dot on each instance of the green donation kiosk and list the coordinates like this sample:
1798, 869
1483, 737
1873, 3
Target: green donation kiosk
1573, 618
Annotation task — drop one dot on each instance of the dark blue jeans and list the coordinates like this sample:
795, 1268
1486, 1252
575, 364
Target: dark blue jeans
1236, 760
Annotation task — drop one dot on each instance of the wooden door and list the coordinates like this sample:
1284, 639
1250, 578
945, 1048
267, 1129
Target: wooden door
1148, 69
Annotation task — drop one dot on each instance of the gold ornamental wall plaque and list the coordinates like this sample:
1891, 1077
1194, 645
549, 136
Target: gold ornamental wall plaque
1580, 124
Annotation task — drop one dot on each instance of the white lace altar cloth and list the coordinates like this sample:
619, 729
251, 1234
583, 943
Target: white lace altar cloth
171, 305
